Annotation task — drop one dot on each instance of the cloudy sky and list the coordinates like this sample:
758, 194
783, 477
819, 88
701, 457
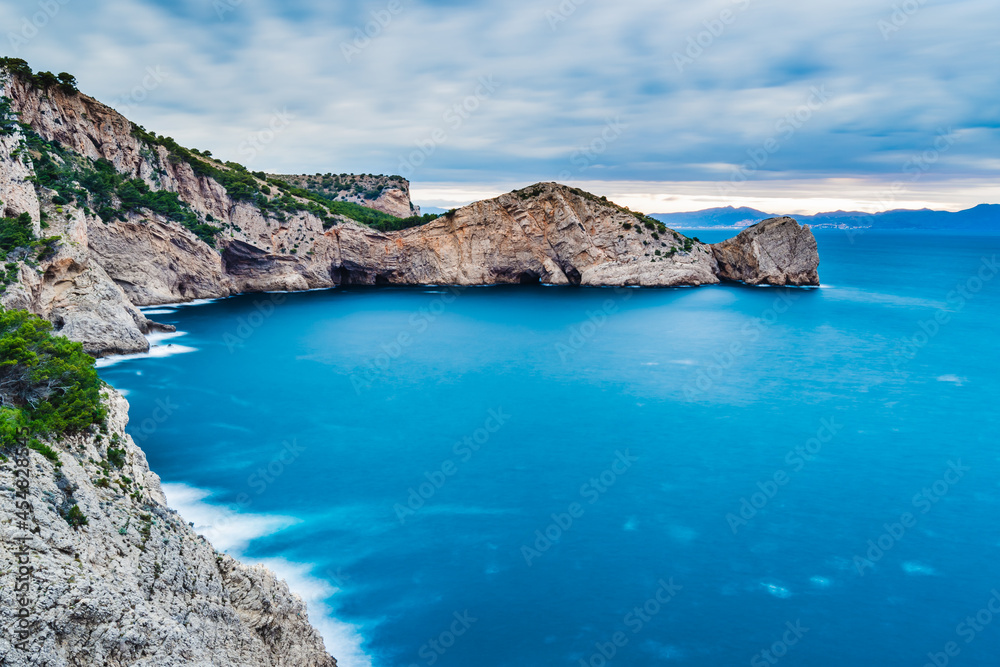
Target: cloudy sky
783, 105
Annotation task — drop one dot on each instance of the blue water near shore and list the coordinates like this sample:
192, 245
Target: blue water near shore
543, 476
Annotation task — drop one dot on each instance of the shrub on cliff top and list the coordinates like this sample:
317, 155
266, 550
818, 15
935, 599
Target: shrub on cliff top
20, 67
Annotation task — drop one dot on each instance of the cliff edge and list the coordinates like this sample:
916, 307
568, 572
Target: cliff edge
133, 585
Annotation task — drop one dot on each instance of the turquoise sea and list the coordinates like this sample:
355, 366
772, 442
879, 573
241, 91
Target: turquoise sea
522, 476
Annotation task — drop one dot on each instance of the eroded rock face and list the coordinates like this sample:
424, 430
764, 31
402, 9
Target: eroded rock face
777, 251
548, 233
73, 291
136, 585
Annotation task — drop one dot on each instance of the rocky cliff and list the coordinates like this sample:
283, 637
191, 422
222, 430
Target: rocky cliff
269, 237
133, 585
776, 251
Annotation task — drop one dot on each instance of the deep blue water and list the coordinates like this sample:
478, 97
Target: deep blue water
829, 411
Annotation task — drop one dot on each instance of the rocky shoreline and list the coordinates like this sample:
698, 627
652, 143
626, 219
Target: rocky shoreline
134, 584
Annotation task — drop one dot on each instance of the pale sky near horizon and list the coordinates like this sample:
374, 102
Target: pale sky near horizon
780, 105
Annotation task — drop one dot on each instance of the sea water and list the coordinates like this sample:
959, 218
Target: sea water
724, 475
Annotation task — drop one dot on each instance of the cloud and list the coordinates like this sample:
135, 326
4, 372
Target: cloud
696, 86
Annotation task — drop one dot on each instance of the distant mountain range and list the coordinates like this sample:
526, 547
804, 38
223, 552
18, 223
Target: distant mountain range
985, 217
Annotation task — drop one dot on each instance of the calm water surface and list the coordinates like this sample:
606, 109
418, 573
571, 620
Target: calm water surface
526, 476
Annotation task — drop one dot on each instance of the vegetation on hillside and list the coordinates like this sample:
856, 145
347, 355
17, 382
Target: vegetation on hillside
16, 233
19, 67
254, 187
48, 385
18, 242
345, 186
96, 185
8, 118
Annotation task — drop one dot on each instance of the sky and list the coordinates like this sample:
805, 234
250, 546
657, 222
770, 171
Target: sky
783, 105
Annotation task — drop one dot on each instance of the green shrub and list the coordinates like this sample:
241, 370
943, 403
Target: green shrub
75, 517
45, 450
13, 427
8, 118
50, 379
16, 232
116, 457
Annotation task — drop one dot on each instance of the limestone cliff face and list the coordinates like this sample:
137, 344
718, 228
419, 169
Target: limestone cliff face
73, 291
546, 233
777, 251
135, 585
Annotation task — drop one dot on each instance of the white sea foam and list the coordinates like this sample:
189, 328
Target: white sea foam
342, 640
915, 569
232, 532
776, 590
821, 582
954, 379
159, 311
158, 347
225, 529
196, 302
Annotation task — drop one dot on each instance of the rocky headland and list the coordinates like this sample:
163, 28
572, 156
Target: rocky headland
123, 218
